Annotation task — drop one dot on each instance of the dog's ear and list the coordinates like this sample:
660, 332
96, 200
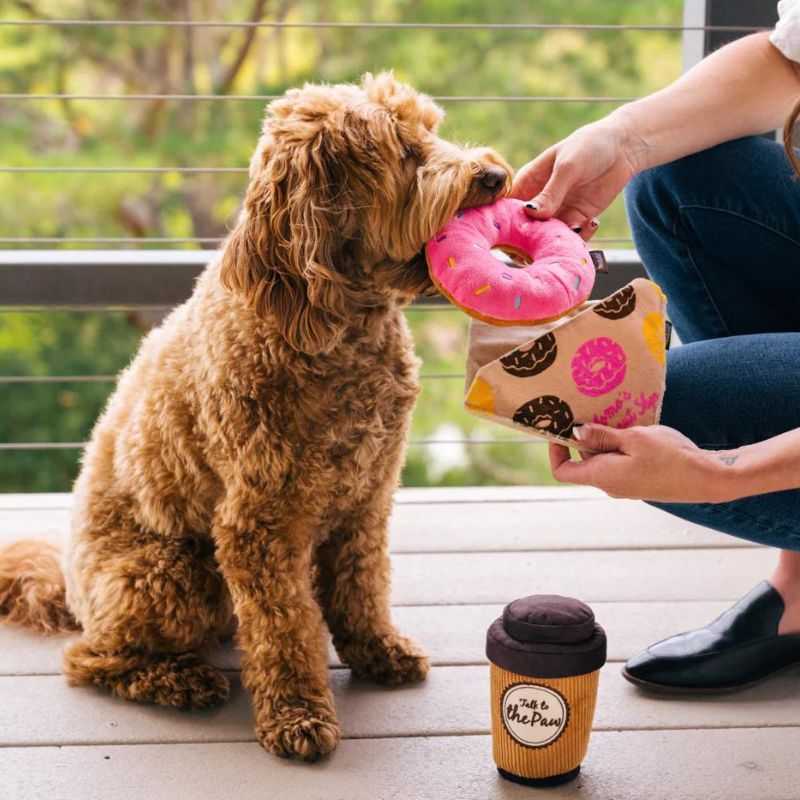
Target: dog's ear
407, 105
280, 257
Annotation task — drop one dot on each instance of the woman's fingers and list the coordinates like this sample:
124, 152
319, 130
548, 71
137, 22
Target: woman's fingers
558, 455
532, 177
589, 228
546, 181
550, 198
564, 469
599, 438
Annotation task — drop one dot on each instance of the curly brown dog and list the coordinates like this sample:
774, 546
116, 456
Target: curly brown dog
246, 463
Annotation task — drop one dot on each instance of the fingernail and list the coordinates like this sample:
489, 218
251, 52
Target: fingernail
577, 432
594, 223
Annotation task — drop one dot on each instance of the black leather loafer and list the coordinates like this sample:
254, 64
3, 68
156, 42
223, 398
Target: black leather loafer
740, 648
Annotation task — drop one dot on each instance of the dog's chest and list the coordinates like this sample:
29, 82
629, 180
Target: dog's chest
362, 415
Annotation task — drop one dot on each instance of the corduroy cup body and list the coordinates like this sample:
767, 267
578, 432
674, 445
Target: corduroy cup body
545, 654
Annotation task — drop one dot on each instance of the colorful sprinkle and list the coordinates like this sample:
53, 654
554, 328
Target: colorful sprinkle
577, 281
443, 237
584, 261
507, 276
451, 262
483, 289
518, 301
497, 225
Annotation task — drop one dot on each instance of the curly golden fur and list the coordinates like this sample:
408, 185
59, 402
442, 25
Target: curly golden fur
245, 466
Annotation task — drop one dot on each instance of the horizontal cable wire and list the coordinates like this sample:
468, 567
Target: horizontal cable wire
57, 378
503, 26
143, 170
123, 307
82, 308
469, 98
177, 240
26, 446
112, 239
27, 379
31, 446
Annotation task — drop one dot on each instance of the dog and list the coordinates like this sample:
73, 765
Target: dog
244, 468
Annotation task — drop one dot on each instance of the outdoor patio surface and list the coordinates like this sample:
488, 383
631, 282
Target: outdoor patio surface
459, 555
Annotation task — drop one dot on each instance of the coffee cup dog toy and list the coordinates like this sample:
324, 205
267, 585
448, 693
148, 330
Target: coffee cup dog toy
557, 275
545, 655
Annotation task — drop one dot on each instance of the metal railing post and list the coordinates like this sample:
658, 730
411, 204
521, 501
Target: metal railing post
754, 13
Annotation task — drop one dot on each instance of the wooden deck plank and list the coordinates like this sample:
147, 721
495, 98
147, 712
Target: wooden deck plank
450, 634
459, 554
445, 494
560, 523
595, 524
456, 578
454, 700
32, 500
661, 765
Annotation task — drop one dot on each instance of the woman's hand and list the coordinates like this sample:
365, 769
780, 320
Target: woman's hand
647, 463
578, 178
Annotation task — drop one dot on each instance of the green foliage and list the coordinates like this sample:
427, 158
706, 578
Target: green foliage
96, 60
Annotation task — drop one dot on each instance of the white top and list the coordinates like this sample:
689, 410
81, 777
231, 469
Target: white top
786, 36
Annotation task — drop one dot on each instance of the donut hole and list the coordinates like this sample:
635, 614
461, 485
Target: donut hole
511, 256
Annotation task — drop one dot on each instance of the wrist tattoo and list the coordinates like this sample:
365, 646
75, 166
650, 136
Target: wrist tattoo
728, 461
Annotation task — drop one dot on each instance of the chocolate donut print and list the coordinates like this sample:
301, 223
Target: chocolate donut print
548, 414
619, 305
531, 358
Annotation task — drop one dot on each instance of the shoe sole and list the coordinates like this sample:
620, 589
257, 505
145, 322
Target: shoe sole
664, 688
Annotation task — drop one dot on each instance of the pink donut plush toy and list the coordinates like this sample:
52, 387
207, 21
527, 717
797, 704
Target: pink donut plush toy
557, 274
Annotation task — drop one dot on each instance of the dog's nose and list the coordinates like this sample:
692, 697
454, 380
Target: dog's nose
493, 179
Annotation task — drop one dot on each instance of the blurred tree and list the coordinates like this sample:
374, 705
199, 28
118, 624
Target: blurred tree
192, 132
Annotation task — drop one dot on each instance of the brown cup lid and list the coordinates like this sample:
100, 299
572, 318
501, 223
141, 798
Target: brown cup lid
548, 618
548, 636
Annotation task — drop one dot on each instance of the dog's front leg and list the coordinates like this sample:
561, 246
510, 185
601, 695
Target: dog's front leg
281, 633
354, 587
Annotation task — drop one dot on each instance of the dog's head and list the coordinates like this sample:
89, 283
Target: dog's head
346, 186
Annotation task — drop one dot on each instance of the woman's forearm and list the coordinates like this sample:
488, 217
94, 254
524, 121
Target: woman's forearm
769, 466
746, 87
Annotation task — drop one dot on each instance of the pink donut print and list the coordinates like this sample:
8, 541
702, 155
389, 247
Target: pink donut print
598, 366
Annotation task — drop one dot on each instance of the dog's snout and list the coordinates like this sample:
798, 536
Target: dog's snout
492, 179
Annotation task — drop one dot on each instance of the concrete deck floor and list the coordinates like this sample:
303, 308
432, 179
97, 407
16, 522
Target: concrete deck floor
458, 555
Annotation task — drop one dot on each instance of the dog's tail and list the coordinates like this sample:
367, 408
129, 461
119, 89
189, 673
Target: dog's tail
32, 588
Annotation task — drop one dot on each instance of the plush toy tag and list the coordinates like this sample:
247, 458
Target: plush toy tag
599, 260
604, 362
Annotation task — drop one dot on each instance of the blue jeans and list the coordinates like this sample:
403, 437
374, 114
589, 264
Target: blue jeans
719, 231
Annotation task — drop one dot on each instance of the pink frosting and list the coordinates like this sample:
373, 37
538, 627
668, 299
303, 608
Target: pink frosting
461, 263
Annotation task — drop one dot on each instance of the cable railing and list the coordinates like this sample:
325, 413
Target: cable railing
122, 279
442, 98
438, 26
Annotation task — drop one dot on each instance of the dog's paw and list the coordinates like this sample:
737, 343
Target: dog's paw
305, 732
390, 660
184, 682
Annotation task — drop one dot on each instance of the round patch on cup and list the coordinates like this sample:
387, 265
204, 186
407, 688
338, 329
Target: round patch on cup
533, 715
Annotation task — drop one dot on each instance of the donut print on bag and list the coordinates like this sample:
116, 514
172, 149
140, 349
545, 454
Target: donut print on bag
531, 358
598, 366
548, 414
619, 305
654, 329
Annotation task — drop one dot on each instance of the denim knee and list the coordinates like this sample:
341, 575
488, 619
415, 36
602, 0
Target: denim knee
653, 198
